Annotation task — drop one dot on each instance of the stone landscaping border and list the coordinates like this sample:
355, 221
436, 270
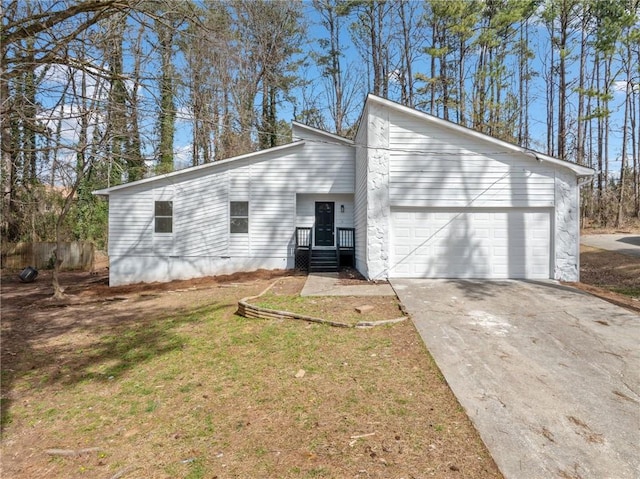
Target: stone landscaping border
249, 310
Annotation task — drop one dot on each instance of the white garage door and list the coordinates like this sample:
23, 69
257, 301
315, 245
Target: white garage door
470, 243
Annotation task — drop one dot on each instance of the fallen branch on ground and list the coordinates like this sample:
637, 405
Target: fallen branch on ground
71, 452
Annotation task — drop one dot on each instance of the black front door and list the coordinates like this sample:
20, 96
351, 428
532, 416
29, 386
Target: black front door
324, 223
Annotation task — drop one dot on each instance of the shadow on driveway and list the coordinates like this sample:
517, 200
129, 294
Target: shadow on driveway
548, 374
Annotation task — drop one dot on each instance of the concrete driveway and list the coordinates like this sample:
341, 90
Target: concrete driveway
621, 243
550, 376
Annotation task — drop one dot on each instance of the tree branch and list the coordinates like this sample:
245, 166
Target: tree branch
34, 24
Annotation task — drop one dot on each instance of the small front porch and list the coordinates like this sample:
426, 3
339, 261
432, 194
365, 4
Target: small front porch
315, 259
324, 235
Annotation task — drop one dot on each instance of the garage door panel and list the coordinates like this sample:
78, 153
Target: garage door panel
422, 232
402, 232
482, 233
471, 243
500, 254
540, 251
540, 234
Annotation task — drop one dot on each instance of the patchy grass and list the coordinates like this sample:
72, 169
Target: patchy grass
326, 307
177, 385
284, 295
631, 291
611, 276
610, 270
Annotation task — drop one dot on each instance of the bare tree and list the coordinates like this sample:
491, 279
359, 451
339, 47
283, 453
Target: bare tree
341, 84
269, 34
41, 43
373, 31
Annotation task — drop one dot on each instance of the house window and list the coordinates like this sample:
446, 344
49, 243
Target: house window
239, 216
164, 216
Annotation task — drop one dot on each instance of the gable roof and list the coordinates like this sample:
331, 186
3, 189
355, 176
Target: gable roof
580, 171
213, 165
331, 136
298, 141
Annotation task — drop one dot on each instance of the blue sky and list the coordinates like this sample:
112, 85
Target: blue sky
353, 63
538, 113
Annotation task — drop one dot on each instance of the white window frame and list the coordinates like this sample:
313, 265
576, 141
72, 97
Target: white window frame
242, 217
156, 217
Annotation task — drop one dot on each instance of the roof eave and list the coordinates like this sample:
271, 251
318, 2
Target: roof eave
318, 131
580, 171
256, 154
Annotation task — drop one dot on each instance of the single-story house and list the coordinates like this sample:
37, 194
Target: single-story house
412, 196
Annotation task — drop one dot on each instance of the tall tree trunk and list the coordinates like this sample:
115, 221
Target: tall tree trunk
30, 119
117, 107
562, 84
6, 152
607, 117
479, 93
81, 160
376, 54
443, 75
551, 97
625, 132
635, 141
432, 79
581, 123
136, 167
336, 70
600, 145
265, 127
407, 55
166, 113
623, 156
523, 86
462, 93
635, 146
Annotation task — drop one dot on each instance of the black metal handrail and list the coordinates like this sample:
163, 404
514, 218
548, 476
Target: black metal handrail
310, 246
304, 237
346, 238
304, 240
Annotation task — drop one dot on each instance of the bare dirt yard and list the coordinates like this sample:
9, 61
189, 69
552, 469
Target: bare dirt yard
166, 381
611, 276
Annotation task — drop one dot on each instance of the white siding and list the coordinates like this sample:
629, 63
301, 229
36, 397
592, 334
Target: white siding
401, 160
201, 243
239, 190
306, 209
201, 230
360, 200
430, 166
271, 222
131, 223
318, 167
437, 168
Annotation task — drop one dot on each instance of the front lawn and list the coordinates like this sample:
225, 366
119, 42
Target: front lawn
164, 383
284, 296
